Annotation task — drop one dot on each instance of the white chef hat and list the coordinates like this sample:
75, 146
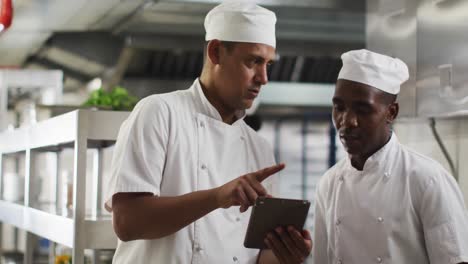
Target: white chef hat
380, 71
241, 21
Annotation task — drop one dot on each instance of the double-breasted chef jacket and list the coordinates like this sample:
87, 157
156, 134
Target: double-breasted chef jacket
177, 143
402, 208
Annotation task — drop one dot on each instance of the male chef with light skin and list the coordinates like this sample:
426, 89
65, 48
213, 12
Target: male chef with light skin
383, 203
186, 167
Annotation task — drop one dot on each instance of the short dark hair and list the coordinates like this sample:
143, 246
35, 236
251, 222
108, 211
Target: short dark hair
229, 45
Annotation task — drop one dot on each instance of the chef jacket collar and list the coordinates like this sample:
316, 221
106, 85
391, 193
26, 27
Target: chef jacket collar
380, 161
207, 108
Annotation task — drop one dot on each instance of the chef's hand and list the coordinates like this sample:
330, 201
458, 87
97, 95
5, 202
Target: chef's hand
289, 246
244, 190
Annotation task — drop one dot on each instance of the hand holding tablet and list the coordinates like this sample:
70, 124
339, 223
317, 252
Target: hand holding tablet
270, 213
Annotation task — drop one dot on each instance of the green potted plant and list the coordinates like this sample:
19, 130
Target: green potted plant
118, 99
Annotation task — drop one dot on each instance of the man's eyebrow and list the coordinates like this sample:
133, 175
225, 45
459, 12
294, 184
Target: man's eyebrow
261, 58
256, 57
362, 103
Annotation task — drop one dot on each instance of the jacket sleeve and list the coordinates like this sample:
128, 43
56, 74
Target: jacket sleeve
140, 151
445, 220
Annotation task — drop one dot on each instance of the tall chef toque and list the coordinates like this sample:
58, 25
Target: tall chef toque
380, 71
241, 21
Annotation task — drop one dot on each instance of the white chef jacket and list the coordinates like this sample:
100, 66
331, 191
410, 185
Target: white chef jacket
177, 143
402, 208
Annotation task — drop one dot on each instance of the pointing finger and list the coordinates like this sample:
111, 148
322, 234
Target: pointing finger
261, 175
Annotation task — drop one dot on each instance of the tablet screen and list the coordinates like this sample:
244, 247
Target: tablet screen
269, 213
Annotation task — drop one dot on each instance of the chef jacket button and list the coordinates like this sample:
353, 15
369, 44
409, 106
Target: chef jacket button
198, 249
203, 166
234, 259
340, 261
386, 174
237, 219
380, 219
379, 259
242, 138
341, 178
202, 124
338, 222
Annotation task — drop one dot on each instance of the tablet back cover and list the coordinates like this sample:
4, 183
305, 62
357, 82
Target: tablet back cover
269, 213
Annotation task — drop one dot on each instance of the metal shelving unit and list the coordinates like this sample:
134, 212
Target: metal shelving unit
80, 130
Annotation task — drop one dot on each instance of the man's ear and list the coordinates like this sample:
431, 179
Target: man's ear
392, 112
213, 51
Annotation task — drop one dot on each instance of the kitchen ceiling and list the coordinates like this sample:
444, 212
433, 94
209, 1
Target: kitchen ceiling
85, 38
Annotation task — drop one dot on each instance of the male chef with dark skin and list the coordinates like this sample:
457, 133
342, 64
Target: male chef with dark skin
383, 203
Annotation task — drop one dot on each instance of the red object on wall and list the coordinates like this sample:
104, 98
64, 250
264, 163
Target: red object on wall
6, 14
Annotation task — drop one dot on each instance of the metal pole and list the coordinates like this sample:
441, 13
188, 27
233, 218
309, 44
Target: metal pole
97, 182
79, 186
57, 182
95, 257
52, 252
3, 101
277, 144
30, 165
304, 158
1, 181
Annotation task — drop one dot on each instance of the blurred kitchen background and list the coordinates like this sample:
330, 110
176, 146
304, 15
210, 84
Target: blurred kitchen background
56, 55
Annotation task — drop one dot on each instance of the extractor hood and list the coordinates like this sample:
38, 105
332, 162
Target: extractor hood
431, 37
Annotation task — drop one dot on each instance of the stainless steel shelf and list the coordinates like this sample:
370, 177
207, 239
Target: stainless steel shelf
99, 233
80, 130
101, 126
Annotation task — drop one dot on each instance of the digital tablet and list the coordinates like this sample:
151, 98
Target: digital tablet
269, 213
